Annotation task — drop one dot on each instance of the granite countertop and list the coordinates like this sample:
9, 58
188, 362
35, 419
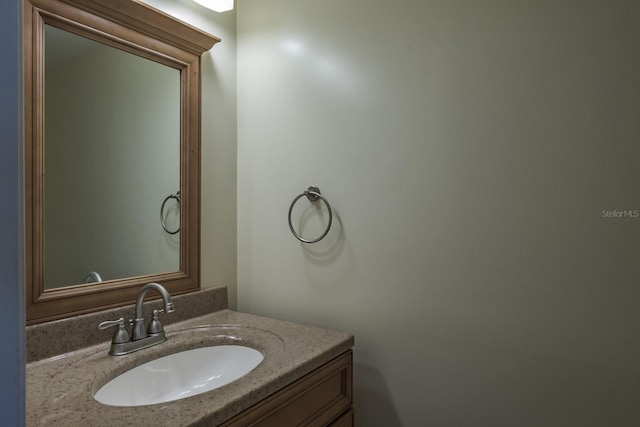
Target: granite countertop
60, 389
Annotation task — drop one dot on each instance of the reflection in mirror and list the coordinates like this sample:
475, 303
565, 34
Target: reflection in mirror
112, 156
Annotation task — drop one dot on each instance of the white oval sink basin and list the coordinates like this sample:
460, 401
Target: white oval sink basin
180, 375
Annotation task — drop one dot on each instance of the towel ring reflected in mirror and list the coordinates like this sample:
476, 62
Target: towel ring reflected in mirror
175, 196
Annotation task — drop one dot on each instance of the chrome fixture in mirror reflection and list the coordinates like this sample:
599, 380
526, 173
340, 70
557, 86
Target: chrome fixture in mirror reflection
93, 277
163, 215
112, 119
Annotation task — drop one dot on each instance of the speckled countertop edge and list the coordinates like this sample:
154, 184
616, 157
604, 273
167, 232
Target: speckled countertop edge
60, 389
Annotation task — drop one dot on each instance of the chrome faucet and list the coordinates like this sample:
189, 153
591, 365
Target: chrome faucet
122, 343
139, 331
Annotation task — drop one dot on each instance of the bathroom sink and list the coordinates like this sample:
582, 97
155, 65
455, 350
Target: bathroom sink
180, 375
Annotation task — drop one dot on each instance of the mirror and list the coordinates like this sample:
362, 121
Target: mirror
112, 114
112, 155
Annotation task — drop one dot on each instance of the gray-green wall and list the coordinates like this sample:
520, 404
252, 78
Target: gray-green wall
468, 149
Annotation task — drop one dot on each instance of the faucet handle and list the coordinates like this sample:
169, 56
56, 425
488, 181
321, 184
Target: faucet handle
120, 335
155, 326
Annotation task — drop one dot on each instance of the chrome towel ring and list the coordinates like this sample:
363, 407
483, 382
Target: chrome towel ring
164, 226
313, 194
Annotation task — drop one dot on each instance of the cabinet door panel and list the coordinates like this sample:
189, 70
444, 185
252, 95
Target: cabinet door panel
316, 399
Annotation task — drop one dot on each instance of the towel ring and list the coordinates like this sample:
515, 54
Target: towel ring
164, 226
313, 194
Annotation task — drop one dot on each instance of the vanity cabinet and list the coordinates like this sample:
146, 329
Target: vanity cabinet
323, 397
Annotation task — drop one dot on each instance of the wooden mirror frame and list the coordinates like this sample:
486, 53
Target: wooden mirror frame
144, 31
